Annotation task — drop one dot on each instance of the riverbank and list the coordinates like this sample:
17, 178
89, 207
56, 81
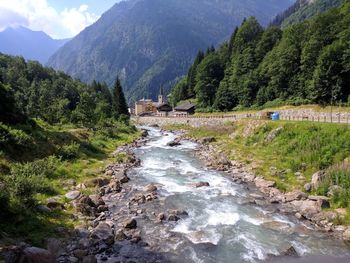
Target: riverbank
287, 188
50, 163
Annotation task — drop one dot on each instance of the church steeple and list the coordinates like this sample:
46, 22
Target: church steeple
161, 97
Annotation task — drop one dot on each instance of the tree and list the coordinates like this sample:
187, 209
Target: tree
119, 102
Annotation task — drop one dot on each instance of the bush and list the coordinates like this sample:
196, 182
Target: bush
26, 180
4, 200
70, 151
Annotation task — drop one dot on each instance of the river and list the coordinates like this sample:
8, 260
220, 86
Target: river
222, 225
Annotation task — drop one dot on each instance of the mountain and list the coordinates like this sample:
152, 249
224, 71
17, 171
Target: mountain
303, 9
149, 43
33, 45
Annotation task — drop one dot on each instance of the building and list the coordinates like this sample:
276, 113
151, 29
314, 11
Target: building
149, 107
185, 109
144, 106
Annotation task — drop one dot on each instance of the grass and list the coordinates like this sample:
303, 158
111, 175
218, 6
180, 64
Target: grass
82, 155
284, 151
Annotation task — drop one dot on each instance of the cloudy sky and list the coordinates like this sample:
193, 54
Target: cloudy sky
58, 18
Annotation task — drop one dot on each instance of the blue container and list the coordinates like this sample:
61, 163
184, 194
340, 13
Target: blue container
275, 116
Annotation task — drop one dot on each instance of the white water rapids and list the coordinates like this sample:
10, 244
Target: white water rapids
222, 225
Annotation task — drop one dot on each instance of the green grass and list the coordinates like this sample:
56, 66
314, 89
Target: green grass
302, 147
82, 154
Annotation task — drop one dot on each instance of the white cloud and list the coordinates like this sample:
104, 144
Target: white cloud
39, 15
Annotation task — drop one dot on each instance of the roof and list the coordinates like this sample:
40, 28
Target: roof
159, 105
185, 106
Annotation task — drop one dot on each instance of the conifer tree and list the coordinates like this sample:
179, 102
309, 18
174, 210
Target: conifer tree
119, 101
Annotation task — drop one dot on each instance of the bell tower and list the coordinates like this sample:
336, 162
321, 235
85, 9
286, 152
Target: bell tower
161, 97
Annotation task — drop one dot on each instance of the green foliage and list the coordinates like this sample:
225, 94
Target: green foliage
70, 151
119, 102
306, 63
28, 179
30, 90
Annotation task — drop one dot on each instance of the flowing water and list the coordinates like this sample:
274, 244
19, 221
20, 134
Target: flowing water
222, 225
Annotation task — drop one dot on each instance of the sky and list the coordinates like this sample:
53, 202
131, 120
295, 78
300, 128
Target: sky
57, 18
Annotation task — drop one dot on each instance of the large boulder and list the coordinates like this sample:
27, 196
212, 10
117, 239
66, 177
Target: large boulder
144, 133
290, 252
85, 206
36, 255
307, 208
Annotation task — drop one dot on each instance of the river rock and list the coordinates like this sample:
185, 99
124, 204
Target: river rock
290, 252
54, 246
323, 201
206, 140
178, 212
121, 177
174, 143
173, 218
201, 184
161, 217
130, 223
150, 188
308, 187
307, 208
114, 186
97, 200
119, 235
36, 255
90, 259
346, 236
317, 179
99, 182
80, 253
262, 183
43, 209
104, 232
85, 206
144, 133
72, 195
295, 195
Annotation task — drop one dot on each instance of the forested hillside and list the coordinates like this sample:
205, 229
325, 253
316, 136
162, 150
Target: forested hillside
30, 90
53, 129
303, 9
305, 63
150, 43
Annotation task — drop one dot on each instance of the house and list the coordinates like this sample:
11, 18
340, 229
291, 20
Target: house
185, 109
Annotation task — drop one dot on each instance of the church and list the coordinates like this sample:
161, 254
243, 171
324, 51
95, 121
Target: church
149, 107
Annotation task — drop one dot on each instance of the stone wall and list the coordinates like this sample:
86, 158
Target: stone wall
288, 114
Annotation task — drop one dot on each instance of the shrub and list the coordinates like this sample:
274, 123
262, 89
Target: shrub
70, 151
26, 180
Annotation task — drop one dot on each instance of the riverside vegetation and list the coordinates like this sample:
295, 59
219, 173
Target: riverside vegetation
55, 132
289, 153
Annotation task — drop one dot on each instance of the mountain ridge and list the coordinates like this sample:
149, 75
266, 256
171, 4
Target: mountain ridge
149, 43
32, 45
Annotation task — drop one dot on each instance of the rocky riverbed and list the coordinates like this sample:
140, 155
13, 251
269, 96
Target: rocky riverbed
174, 200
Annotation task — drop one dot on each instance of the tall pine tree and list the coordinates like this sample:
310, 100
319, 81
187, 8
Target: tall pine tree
119, 101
